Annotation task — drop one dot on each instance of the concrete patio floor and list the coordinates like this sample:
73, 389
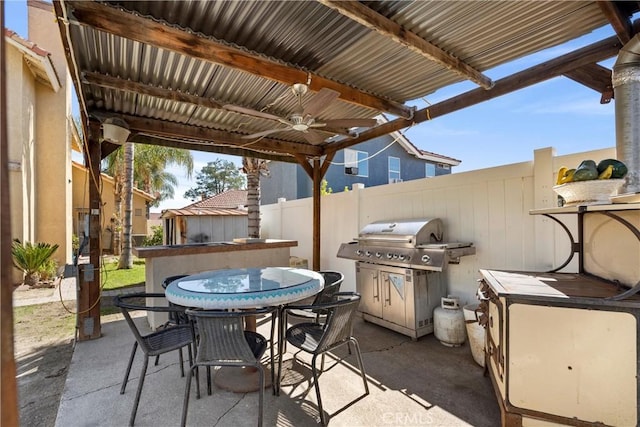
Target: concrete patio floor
411, 384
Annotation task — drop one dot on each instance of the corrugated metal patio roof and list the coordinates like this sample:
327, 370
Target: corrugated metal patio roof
202, 75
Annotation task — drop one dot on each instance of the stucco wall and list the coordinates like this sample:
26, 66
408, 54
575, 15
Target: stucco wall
489, 207
53, 138
81, 204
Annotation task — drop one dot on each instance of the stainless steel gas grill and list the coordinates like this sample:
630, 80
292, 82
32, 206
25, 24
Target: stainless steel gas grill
398, 272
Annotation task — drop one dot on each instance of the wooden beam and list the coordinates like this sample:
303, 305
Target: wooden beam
373, 20
8, 386
130, 26
209, 148
116, 83
304, 162
595, 52
88, 317
144, 89
317, 181
596, 77
161, 128
621, 24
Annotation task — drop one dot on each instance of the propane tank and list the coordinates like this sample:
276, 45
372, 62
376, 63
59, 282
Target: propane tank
448, 322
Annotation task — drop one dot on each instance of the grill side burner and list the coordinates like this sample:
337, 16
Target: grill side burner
398, 272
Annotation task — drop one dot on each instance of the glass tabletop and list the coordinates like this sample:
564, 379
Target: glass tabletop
243, 280
244, 287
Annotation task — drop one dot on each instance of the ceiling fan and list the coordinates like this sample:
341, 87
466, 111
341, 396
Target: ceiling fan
303, 118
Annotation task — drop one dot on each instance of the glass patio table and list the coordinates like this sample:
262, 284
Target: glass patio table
244, 288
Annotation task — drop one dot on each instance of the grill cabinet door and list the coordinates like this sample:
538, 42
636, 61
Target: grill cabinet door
394, 294
368, 286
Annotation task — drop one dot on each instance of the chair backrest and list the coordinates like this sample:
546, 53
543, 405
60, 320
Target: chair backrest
222, 335
340, 315
139, 302
332, 282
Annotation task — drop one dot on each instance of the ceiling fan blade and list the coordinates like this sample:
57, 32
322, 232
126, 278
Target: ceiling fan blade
351, 123
263, 133
313, 137
250, 112
320, 101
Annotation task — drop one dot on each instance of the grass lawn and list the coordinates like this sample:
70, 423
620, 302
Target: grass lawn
112, 278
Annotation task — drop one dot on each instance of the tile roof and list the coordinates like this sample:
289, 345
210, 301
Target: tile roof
229, 199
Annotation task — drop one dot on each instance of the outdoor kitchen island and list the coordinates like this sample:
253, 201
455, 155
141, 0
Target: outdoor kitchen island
562, 348
171, 260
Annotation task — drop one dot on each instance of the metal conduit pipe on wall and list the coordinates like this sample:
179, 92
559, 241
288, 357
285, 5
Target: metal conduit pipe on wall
626, 86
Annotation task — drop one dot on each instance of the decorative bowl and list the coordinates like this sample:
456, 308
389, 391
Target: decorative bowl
593, 192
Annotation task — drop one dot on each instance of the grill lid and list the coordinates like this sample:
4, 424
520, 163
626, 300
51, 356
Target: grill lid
405, 232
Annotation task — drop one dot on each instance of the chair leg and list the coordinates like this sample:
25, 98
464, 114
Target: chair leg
208, 382
157, 360
139, 391
362, 373
181, 362
187, 392
128, 371
323, 421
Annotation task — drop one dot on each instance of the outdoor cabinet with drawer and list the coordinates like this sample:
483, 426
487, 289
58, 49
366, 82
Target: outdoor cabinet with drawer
562, 348
401, 299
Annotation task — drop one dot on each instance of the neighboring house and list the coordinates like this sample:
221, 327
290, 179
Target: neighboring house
39, 133
140, 208
220, 218
384, 160
154, 220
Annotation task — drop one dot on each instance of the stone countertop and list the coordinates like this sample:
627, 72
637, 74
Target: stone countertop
210, 247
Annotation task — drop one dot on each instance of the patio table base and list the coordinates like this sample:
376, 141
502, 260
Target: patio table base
240, 379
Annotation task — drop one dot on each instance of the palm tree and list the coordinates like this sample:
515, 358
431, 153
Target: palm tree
126, 260
254, 168
149, 175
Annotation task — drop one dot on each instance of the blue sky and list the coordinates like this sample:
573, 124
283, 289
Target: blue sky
557, 113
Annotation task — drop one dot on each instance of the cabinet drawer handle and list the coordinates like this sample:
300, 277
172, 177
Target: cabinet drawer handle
491, 321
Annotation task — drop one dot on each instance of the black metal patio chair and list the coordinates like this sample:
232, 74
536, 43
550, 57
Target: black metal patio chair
307, 309
223, 341
318, 338
162, 341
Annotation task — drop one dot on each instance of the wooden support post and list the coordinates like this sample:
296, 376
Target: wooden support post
317, 179
8, 389
89, 274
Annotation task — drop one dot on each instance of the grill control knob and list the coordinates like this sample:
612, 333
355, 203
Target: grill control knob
401, 257
378, 254
425, 259
359, 252
389, 256
367, 253
395, 256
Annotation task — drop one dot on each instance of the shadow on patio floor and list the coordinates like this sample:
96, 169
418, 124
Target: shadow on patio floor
411, 383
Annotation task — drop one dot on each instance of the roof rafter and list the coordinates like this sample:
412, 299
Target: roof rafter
596, 77
621, 24
161, 128
195, 146
371, 19
595, 52
131, 26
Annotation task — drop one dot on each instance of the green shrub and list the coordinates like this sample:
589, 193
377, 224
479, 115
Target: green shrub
31, 258
49, 270
155, 239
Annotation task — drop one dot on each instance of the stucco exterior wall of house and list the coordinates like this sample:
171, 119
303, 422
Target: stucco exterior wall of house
81, 206
52, 138
21, 133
